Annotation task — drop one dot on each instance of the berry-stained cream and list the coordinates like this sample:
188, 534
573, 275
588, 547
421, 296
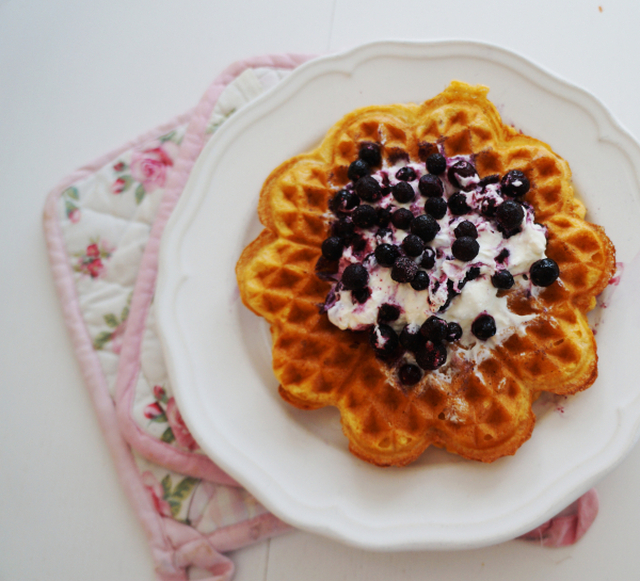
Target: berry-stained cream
475, 240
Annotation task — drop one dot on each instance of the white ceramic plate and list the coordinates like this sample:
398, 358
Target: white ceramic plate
297, 463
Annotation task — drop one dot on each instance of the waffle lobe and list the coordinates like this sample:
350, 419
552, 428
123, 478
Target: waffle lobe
480, 411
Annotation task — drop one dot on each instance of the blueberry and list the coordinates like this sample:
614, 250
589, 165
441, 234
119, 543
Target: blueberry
430, 186
406, 174
344, 201
343, 228
436, 163
428, 260
436, 207
488, 207
471, 274
410, 337
409, 374
358, 169
465, 228
413, 245
404, 269
431, 355
458, 204
510, 215
402, 218
365, 216
484, 327
454, 332
425, 226
504, 254
544, 272
370, 154
368, 189
434, 329
332, 248
387, 254
358, 243
403, 192
465, 248
355, 277
388, 313
491, 179
461, 171
420, 281
502, 279
384, 234
361, 295
515, 183
384, 217
384, 341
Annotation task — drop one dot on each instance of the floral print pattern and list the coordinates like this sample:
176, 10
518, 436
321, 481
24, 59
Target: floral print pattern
92, 260
165, 410
168, 499
118, 325
148, 167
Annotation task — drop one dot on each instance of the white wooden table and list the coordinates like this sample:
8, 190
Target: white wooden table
80, 78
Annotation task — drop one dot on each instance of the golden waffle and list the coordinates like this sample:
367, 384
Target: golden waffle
479, 410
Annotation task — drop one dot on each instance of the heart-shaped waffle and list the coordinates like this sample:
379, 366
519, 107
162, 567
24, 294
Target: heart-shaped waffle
478, 403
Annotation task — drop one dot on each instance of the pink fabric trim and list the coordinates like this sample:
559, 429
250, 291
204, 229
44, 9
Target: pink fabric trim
167, 455
569, 526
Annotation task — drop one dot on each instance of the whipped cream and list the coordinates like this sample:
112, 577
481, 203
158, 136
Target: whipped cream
451, 294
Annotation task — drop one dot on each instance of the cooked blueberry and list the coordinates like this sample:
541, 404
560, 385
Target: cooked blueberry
370, 154
343, 228
384, 217
355, 277
451, 294
384, 341
436, 207
430, 186
404, 269
502, 279
387, 254
420, 281
403, 192
387, 313
484, 327
488, 207
459, 174
431, 356
510, 214
357, 243
515, 183
504, 254
465, 228
332, 248
384, 234
344, 201
436, 163
410, 337
406, 174
454, 332
358, 169
465, 248
361, 295
434, 329
365, 216
544, 272
428, 260
368, 189
486, 180
458, 204
471, 274
409, 374
402, 218
412, 245
425, 226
